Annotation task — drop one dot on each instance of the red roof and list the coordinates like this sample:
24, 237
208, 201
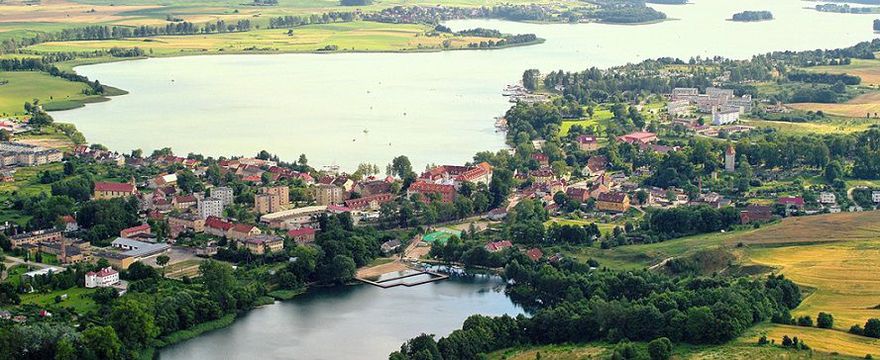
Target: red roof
217, 223
242, 228
185, 199
535, 254
792, 200
301, 232
431, 188
105, 272
498, 245
114, 187
134, 230
67, 219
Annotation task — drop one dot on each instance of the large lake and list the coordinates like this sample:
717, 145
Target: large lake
360, 322
433, 107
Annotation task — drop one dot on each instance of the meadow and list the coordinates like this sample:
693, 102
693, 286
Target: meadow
25, 86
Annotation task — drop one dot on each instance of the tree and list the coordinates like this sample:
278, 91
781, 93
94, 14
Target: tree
825, 321
64, 350
103, 342
805, 321
162, 260
660, 349
133, 322
872, 328
341, 269
401, 166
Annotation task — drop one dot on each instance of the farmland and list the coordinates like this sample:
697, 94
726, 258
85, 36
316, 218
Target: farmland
868, 70
858, 107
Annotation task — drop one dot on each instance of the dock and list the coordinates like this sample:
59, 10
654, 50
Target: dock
394, 281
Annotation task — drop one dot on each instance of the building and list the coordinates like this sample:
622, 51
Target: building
792, 202
587, 143
827, 198
497, 246
112, 190
305, 235
875, 196
724, 116
184, 202
755, 213
116, 260
443, 193
216, 226
138, 249
372, 202
390, 246
210, 207
165, 180
613, 201
183, 222
686, 94
105, 277
535, 254
224, 193
135, 230
638, 137
240, 231
272, 199
35, 237
66, 254
261, 244
328, 194
678, 107
294, 218
20, 154
730, 159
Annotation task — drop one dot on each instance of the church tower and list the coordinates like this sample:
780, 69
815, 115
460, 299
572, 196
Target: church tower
730, 159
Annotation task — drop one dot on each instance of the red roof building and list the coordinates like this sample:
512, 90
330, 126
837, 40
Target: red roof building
638, 137
303, 235
111, 190
446, 193
497, 246
135, 230
795, 201
535, 254
372, 202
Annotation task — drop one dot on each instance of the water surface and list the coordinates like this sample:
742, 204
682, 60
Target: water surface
362, 322
348, 109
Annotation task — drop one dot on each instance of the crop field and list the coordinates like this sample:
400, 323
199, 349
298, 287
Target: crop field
857, 226
354, 36
868, 70
859, 107
822, 340
826, 126
844, 276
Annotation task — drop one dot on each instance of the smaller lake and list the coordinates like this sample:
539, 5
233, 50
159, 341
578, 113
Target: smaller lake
354, 322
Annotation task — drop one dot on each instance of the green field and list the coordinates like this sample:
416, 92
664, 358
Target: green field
25, 86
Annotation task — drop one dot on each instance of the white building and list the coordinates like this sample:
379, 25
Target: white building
224, 193
875, 196
105, 277
210, 207
726, 116
677, 107
826, 197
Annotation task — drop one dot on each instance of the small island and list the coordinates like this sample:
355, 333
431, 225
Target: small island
750, 16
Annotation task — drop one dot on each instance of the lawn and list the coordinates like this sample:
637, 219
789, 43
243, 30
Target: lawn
78, 298
25, 86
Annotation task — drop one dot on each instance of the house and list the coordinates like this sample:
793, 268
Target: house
135, 230
827, 198
755, 213
263, 243
390, 246
328, 194
35, 237
595, 166
304, 235
373, 187
165, 180
796, 202
112, 190
240, 231
183, 202
69, 223
105, 277
541, 176
542, 159
183, 222
497, 214
456, 175
535, 254
587, 143
216, 226
613, 201
444, 193
875, 196
579, 194
638, 137
371, 202
497, 246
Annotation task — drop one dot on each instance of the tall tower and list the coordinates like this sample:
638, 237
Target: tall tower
730, 159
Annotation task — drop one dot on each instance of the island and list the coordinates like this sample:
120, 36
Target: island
752, 16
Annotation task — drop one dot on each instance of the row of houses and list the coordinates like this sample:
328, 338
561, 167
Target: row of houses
15, 154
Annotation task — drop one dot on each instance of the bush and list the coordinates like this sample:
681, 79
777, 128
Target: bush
661, 348
805, 321
872, 328
856, 330
825, 320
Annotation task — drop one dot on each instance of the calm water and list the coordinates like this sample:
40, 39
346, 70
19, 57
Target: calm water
362, 322
434, 107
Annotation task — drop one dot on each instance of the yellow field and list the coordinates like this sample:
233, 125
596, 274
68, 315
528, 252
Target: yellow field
827, 341
827, 126
868, 70
354, 36
857, 226
858, 107
63, 11
844, 276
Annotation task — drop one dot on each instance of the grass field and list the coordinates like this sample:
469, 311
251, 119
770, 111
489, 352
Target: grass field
353, 36
857, 226
821, 340
858, 107
78, 298
28, 85
826, 126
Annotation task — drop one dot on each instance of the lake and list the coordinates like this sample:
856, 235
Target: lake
356, 322
347, 109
